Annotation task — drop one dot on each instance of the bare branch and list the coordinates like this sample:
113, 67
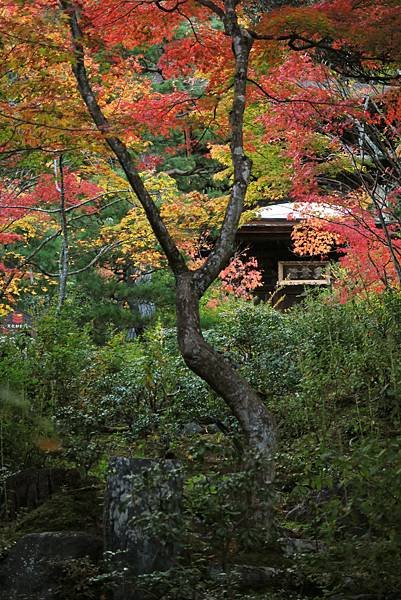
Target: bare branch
90, 264
50, 211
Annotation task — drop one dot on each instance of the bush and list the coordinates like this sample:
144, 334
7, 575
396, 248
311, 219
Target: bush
339, 468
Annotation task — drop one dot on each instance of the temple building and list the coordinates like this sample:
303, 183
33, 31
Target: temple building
285, 274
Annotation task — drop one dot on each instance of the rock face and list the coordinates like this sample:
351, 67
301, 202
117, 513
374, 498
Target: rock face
29, 488
35, 567
142, 519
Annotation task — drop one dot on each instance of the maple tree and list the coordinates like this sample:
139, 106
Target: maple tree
342, 138
18, 227
366, 225
77, 76
74, 231
41, 218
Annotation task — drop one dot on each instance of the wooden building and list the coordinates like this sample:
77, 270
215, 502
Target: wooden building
285, 274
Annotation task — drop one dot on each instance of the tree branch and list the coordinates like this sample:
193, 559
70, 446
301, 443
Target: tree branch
90, 264
175, 259
50, 211
221, 253
213, 7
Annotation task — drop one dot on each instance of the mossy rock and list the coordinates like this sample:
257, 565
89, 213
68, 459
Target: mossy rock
71, 509
51, 565
79, 509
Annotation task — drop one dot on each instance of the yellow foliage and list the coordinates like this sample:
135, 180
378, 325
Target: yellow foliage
31, 225
311, 239
190, 219
271, 172
221, 153
5, 309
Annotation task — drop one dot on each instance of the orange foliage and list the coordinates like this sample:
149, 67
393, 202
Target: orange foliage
311, 238
297, 106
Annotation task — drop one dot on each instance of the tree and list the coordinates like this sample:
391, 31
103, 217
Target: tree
190, 284
220, 48
42, 217
244, 402
341, 136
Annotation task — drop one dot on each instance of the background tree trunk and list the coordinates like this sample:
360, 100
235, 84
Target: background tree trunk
64, 250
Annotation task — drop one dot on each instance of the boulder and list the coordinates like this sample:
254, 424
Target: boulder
293, 546
247, 576
35, 567
191, 428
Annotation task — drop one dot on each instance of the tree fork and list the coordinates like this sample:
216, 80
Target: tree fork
245, 403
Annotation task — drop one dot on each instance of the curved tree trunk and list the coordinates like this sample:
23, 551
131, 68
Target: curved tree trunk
245, 403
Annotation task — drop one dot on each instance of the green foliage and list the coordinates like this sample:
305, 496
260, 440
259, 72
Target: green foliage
330, 373
37, 375
260, 341
59, 353
349, 360
220, 508
341, 464
109, 306
21, 423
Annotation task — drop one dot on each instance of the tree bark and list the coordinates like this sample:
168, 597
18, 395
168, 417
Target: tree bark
245, 403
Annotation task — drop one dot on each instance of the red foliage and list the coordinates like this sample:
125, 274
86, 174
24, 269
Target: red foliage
241, 277
210, 53
368, 27
300, 103
366, 253
47, 194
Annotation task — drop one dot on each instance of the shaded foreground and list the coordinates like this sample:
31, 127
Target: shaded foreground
334, 376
